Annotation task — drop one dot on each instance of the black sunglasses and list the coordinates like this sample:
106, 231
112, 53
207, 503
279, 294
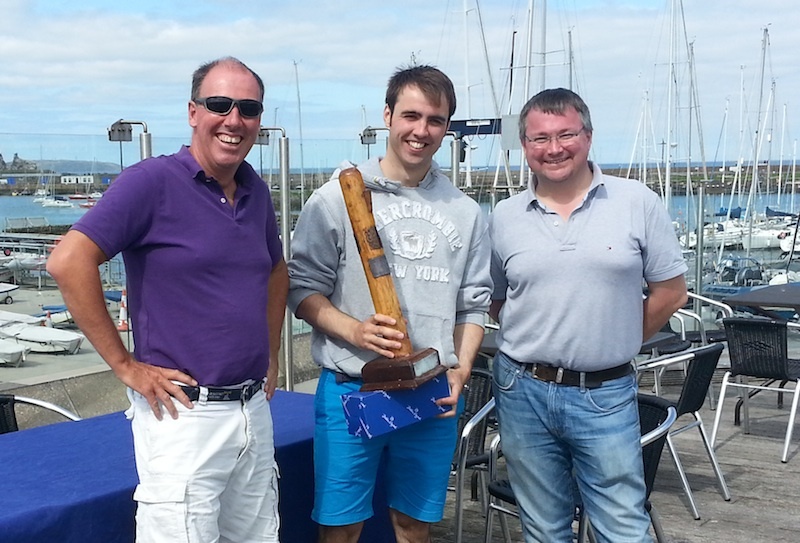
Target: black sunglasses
222, 105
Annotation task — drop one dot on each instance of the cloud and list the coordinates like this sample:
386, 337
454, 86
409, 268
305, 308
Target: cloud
73, 68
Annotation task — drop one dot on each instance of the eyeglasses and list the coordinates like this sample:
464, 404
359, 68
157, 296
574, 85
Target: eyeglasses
563, 139
222, 105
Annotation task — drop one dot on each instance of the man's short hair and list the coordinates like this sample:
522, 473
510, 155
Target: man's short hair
432, 82
555, 102
200, 75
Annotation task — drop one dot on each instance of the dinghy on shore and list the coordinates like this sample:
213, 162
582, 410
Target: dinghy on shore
41, 339
9, 317
12, 353
30, 332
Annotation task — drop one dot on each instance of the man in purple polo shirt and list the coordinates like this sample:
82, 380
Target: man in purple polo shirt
207, 288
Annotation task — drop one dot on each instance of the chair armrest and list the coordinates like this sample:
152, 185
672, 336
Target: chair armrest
664, 361
661, 429
47, 405
726, 309
494, 455
466, 432
698, 319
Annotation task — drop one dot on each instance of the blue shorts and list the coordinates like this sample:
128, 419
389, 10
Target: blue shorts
418, 459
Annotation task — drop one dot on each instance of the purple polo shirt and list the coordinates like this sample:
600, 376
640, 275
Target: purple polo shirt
197, 268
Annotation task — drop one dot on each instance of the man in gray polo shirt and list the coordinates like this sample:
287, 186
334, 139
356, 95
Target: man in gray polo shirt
569, 258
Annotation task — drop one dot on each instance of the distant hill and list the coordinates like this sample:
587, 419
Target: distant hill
77, 167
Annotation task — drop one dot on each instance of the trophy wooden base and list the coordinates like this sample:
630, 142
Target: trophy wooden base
406, 372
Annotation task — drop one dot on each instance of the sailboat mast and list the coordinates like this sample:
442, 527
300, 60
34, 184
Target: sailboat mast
759, 132
780, 161
670, 108
467, 150
542, 80
300, 133
760, 105
570, 58
526, 88
794, 170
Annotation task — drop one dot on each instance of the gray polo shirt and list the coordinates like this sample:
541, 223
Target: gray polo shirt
573, 290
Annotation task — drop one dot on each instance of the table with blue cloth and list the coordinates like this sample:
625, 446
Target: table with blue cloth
74, 481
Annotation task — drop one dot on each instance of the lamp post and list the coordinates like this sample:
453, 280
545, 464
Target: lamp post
286, 238
457, 150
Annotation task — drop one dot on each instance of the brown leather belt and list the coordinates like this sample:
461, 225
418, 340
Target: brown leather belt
591, 379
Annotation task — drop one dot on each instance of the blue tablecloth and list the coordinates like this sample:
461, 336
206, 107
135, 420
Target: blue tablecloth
74, 481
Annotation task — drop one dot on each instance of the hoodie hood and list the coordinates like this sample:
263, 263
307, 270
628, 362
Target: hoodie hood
375, 180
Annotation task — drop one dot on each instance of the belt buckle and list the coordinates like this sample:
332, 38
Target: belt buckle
559, 375
535, 367
251, 390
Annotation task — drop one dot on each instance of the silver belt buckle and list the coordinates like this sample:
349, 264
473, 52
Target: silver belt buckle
559, 375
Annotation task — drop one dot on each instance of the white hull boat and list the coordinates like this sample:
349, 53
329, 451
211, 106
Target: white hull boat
42, 339
5, 290
786, 244
12, 353
56, 202
727, 233
764, 238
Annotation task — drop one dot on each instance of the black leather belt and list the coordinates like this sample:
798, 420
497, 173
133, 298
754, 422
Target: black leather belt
591, 379
216, 394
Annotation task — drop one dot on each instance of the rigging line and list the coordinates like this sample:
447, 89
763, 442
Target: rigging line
506, 165
442, 33
722, 129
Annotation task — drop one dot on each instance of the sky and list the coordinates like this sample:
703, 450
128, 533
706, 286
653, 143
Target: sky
70, 69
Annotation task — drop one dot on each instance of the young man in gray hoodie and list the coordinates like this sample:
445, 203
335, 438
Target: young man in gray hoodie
436, 243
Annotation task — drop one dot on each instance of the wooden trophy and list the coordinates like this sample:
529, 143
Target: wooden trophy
408, 369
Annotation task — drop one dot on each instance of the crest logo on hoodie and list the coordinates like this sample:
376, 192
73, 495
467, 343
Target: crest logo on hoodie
411, 245
416, 210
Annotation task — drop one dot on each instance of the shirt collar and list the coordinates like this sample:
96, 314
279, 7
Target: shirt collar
597, 181
185, 157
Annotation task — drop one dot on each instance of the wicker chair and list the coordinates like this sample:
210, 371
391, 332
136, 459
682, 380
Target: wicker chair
758, 349
701, 365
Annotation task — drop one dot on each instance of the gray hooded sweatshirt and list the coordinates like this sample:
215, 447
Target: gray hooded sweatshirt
437, 246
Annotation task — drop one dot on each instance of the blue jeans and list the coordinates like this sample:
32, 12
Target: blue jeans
555, 436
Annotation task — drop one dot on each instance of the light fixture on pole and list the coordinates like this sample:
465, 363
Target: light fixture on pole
122, 130
369, 136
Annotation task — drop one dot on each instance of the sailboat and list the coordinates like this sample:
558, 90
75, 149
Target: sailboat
679, 146
56, 201
46, 196
772, 232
